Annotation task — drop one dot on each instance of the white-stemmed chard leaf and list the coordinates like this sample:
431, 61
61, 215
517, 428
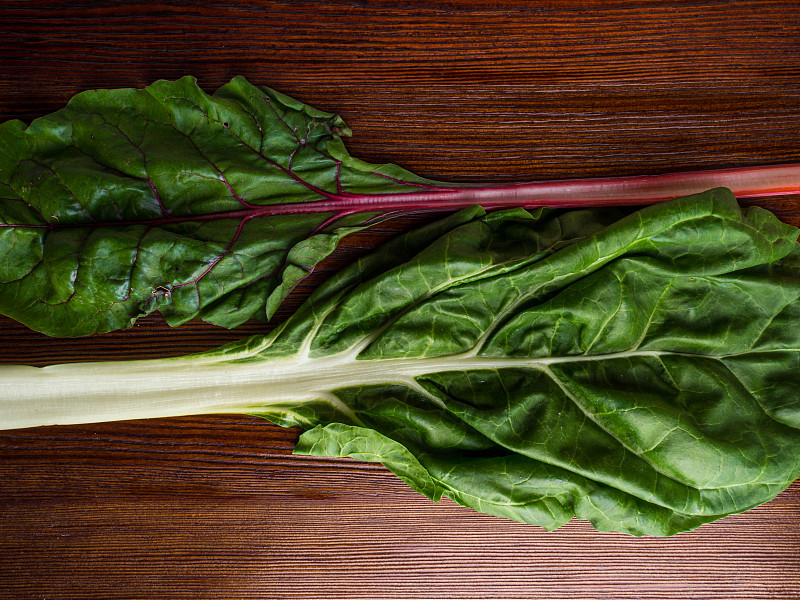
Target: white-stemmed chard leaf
638, 370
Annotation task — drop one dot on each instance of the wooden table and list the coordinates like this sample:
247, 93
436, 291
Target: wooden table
217, 507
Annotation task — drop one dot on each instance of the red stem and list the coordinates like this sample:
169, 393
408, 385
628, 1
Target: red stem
745, 182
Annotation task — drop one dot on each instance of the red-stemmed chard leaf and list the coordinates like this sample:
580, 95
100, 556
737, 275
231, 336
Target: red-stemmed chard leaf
216, 206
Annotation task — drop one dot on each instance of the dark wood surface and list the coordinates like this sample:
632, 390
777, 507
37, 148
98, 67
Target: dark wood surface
217, 507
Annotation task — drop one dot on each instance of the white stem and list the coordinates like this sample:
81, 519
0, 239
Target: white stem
113, 391
110, 391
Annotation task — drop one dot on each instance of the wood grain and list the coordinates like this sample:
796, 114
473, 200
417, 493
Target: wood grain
462, 90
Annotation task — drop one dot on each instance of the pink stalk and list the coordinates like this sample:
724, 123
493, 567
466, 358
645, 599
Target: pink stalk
745, 182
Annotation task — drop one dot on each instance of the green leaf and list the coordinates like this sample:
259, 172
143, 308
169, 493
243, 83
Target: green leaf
641, 370
132, 201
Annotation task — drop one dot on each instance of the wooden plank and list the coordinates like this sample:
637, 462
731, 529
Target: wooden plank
217, 507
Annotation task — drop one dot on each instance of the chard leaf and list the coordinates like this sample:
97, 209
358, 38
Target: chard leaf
132, 201
638, 371
216, 206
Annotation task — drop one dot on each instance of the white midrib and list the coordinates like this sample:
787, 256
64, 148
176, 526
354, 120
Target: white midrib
111, 391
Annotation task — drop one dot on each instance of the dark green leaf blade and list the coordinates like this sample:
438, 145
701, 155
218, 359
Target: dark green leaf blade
130, 201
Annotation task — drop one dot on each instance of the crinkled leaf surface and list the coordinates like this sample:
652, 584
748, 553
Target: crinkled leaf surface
640, 372
130, 201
